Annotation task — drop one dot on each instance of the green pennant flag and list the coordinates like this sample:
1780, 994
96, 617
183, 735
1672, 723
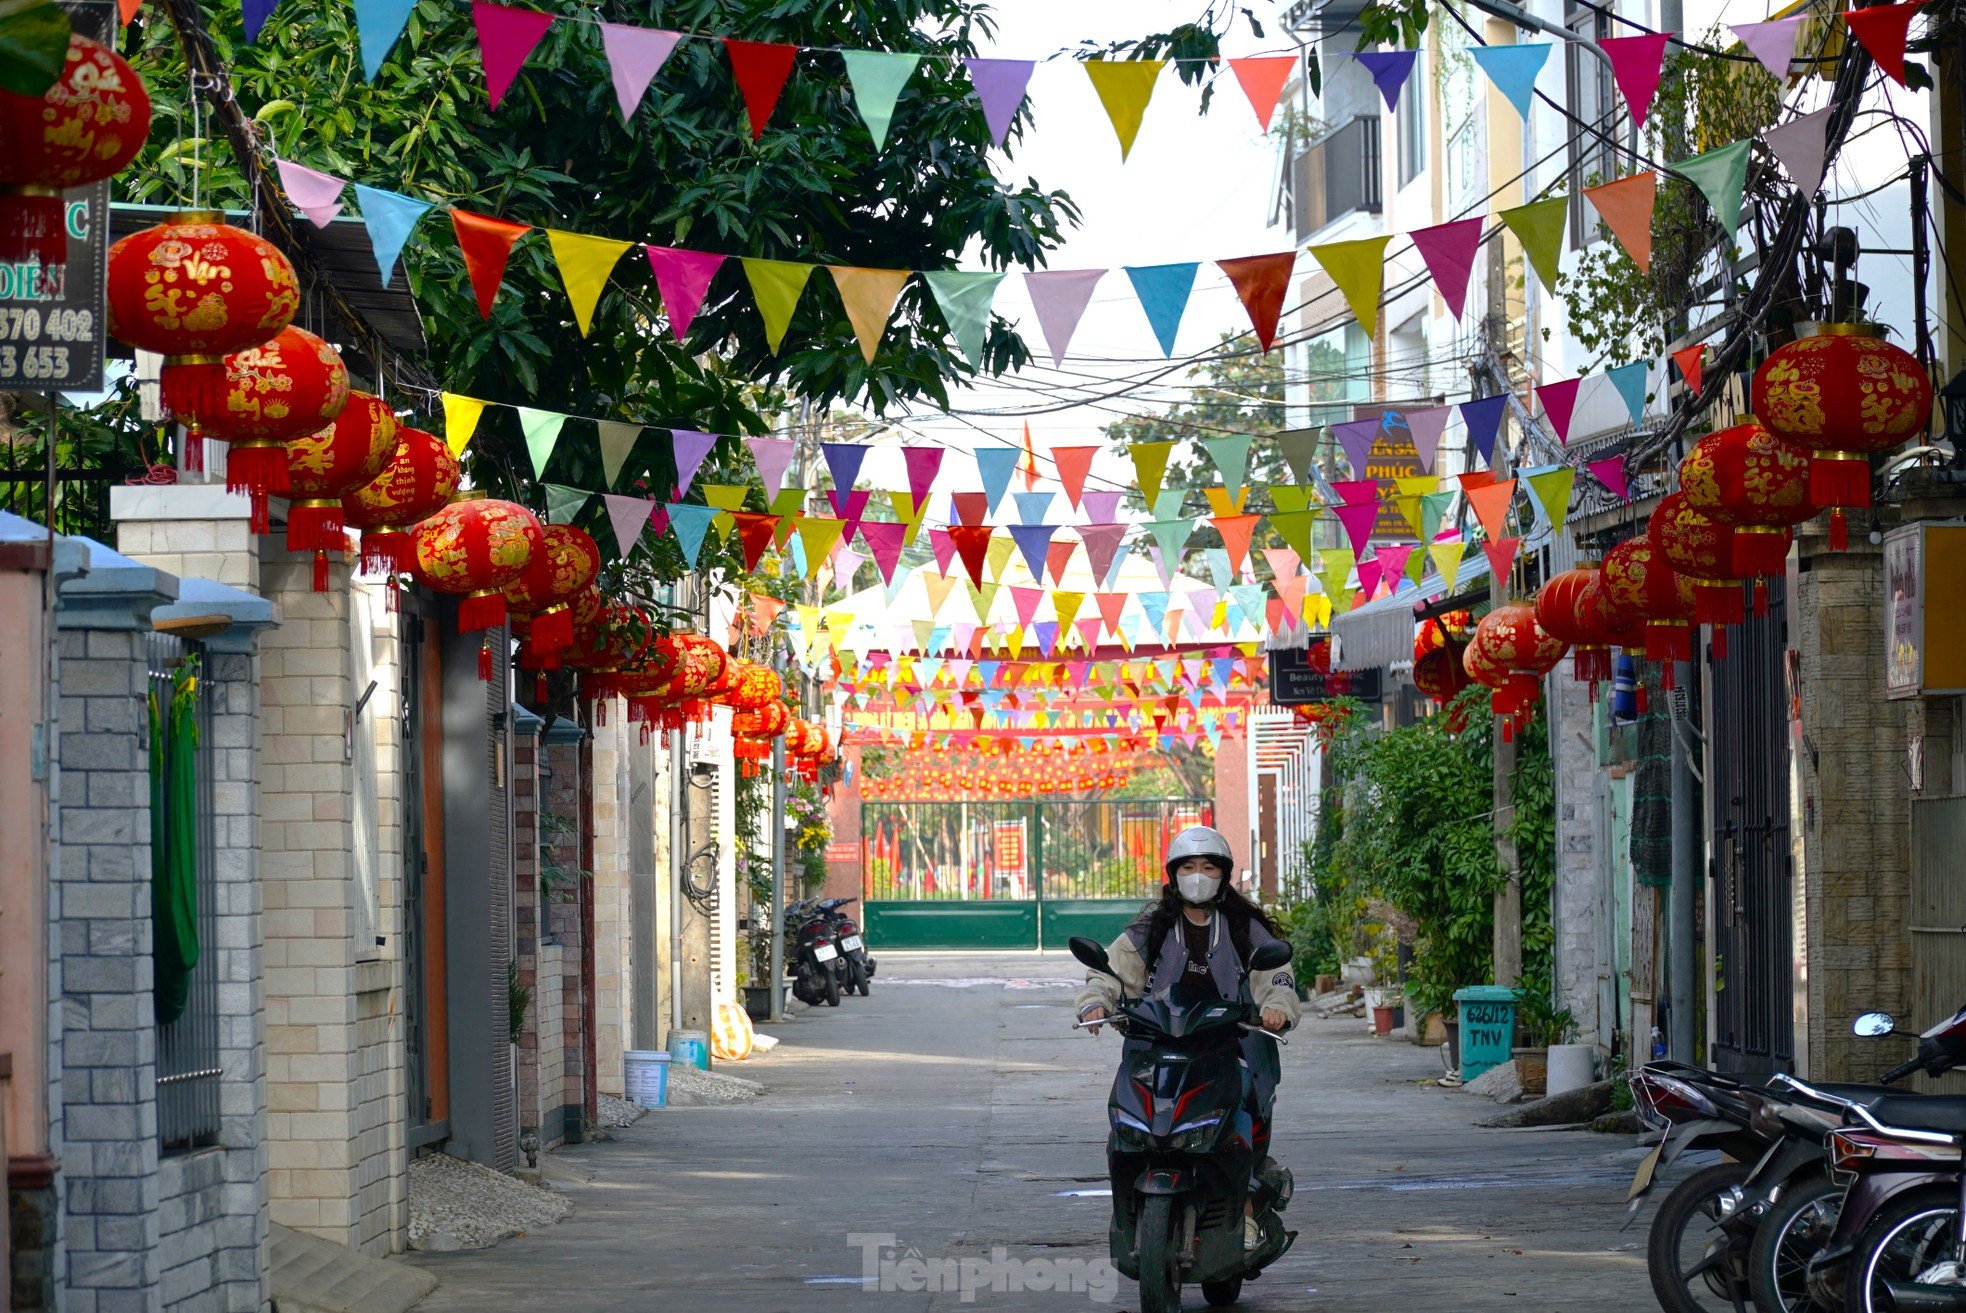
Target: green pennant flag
997, 555
542, 430
1334, 572
776, 284
1231, 457
617, 440
564, 503
1539, 227
1551, 490
1167, 504
877, 77
964, 299
1171, 536
1722, 177
1149, 464
1289, 497
1298, 448
1294, 527
1433, 509
789, 501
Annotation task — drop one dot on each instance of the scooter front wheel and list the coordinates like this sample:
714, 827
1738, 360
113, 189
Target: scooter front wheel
1220, 1294
1160, 1275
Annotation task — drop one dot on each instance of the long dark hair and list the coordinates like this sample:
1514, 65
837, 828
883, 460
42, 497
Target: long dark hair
1236, 909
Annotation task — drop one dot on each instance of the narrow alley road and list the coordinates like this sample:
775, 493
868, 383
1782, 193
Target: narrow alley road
954, 1111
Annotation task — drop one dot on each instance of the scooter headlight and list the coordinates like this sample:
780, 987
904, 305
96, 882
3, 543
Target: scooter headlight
1130, 1134
1197, 1136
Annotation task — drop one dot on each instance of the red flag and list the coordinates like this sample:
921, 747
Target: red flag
487, 245
1074, 463
1028, 462
761, 68
972, 545
754, 530
1883, 30
1689, 360
1236, 531
1261, 281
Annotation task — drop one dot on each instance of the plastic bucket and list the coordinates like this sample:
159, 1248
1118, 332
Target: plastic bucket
645, 1076
1570, 1068
691, 1046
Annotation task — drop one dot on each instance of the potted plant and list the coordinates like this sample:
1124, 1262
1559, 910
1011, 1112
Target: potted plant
1388, 1007
1539, 1023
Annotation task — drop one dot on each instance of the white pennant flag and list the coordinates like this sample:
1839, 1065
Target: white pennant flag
629, 516
1802, 145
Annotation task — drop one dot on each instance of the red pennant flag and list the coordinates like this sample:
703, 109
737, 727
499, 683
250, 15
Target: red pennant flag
1262, 78
505, 37
1491, 506
1883, 30
1261, 281
1626, 206
487, 245
761, 68
1235, 531
1689, 360
754, 530
1028, 462
1110, 607
1559, 400
971, 507
1073, 463
972, 545
1057, 556
1501, 555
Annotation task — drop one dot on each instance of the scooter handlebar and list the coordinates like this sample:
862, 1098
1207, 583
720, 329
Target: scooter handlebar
1902, 1070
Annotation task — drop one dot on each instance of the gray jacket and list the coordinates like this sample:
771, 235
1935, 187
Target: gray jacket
1275, 989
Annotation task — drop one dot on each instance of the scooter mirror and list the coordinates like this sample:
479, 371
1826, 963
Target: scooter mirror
1270, 956
1872, 1024
1089, 952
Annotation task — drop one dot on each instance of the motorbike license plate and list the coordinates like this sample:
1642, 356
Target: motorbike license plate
825, 952
850, 943
1642, 1178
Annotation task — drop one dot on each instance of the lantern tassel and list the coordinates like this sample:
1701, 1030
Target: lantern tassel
193, 450
539, 688
385, 551
484, 609
600, 713
320, 572
552, 629
314, 525
1840, 479
1839, 531
1760, 550
33, 226
194, 385
485, 660
258, 468
1761, 597
1644, 702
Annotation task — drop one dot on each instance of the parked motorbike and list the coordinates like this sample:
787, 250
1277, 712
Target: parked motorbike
814, 960
1181, 1166
856, 962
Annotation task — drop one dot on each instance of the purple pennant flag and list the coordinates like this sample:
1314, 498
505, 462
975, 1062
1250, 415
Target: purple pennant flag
1611, 473
1483, 416
1100, 505
1426, 426
1000, 86
629, 516
1358, 518
1389, 70
843, 462
1059, 297
924, 463
1357, 438
1559, 401
1772, 42
691, 448
635, 56
1101, 542
256, 12
1355, 492
773, 455
1033, 540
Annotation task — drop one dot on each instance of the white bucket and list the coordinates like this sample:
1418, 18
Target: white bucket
645, 1077
1570, 1068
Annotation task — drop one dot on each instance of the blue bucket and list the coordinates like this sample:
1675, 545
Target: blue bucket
691, 1046
645, 1077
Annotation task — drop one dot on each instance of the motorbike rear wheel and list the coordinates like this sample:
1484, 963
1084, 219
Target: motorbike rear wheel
1160, 1276
1695, 1266
1220, 1294
856, 979
1795, 1229
832, 990
1908, 1236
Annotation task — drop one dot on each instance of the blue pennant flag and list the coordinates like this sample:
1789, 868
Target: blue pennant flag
1031, 506
938, 637
1155, 605
379, 23
1163, 291
1513, 69
691, 523
1483, 416
255, 13
1630, 382
1032, 540
843, 463
390, 218
1389, 70
996, 465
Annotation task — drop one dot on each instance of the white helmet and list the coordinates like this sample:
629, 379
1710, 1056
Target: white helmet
1200, 841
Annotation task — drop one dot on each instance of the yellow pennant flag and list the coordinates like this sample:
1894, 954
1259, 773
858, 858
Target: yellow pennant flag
1221, 615
818, 534
939, 587
1411, 490
1124, 86
726, 498
869, 296
460, 421
1149, 465
585, 263
776, 284
1219, 502
1066, 607
1317, 611
998, 555
1359, 269
1447, 559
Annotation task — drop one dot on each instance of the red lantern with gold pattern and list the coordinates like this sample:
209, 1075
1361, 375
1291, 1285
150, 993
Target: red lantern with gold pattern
194, 289
473, 548
1644, 588
676, 675
584, 609
753, 731
1844, 393
562, 570
1759, 483
1511, 653
324, 467
751, 685
285, 388
419, 480
90, 122
1560, 613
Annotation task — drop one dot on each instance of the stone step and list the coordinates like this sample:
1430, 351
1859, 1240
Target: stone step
312, 1275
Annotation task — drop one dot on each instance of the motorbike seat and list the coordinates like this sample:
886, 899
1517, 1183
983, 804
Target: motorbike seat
1864, 1094
1922, 1112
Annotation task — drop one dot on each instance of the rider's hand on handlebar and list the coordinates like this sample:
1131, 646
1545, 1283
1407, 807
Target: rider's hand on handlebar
1274, 1019
1094, 1014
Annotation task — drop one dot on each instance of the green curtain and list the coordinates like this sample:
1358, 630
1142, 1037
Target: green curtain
174, 840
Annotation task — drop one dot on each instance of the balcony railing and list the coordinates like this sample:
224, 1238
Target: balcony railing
1335, 175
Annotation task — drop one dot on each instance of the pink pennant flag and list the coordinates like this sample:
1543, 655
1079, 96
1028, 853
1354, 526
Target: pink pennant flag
1394, 557
683, 279
1772, 42
691, 448
1370, 571
1635, 65
1426, 426
506, 36
1559, 400
1356, 492
1059, 297
924, 463
1501, 555
1449, 250
1026, 601
1801, 144
944, 547
884, 544
1102, 542
1611, 473
1358, 519
315, 194
773, 456
1102, 504
1283, 561
635, 56
629, 516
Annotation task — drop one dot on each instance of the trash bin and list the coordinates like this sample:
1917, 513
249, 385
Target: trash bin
1487, 1027
645, 1076
690, 1046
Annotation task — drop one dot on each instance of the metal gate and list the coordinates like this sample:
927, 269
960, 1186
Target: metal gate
1011, 875
1750, 936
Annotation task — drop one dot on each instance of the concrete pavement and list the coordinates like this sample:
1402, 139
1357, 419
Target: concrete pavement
954, 1111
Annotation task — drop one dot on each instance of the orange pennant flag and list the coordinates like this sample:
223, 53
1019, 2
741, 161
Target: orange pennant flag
1261, 281
1073, 463
1689, 359
1262, 78
1491, 507
1028, 462
487, 245
1626, 208
1235, 531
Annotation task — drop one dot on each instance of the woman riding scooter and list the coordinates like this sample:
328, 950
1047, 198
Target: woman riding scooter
1201, 933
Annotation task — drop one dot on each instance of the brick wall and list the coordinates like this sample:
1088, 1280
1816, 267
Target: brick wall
613, 944
563, 794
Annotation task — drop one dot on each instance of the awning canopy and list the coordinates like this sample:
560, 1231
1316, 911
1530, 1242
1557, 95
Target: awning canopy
1380, 633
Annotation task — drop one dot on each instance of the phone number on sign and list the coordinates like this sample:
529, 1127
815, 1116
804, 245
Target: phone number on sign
25, 324
34, 361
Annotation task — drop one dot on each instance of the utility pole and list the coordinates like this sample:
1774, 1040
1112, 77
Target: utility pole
695, 864
777, 910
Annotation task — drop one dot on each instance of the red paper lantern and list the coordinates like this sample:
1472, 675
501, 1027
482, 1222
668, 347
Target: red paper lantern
751, 685
473, 548
1560, 612
584, 609
672, 684
1643, 588
753, 731
1759, 483
419, 480
193, 289
1511, 653
1844, 393
84, 128
562, 570
274, 392
324, 467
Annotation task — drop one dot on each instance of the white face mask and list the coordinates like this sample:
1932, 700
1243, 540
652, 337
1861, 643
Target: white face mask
1197, 887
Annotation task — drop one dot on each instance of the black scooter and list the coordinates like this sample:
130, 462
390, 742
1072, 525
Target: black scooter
858, 963
815, 959
1181, 1167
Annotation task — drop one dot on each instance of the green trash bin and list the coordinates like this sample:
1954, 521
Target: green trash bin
1487, 1027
